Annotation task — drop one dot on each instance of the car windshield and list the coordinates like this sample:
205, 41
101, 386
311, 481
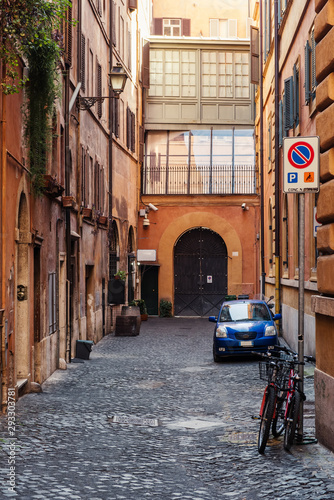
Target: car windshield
245, 311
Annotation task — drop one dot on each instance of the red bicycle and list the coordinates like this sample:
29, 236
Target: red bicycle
287, 415
271, 370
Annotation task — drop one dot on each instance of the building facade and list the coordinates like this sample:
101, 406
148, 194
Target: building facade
296, 117
303, 88
61, 248
199, 219
323, 305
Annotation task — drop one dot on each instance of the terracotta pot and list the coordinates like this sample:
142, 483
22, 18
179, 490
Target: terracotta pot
86, 212
103, 219
68, 201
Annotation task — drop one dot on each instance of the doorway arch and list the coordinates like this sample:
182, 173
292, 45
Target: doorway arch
22, 341
200, 272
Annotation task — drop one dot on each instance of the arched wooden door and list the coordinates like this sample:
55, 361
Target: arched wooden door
200, 273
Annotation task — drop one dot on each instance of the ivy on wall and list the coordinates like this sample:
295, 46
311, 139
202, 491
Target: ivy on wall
31, 30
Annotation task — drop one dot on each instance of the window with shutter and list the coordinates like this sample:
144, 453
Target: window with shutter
99, 89
141, 143
128, 128
102, 189
310, 74
96, 185
280, 124
68, 36
113, 27
83, 176
129, 50
185, 27
288, 103
52, 303
283, 119
83, 64
295, 95
146, 66
133, 132
269, 144
115, 116
214, 28
313, 73
307, 84
89, 187
255, 54
157, 26
232, 28
171, 27
267, 28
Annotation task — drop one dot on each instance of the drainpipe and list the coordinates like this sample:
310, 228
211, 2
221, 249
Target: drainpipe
3, 389
110, 198
59, 220
277, 169
110, 166
263, 270
68, 219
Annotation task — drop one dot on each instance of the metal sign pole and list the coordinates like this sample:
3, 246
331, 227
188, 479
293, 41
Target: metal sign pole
301, 247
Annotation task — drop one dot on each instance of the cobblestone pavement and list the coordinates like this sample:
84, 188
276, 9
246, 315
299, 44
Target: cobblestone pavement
92, 433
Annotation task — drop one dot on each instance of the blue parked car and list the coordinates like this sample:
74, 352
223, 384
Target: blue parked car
243, 326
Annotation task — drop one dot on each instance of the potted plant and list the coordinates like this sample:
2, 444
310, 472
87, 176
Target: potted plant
165, 308
52, 186
120, 275
86, 212
142, 307
103, 219
68, 201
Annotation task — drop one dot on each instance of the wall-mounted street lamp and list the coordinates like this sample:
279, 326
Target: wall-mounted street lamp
117, 80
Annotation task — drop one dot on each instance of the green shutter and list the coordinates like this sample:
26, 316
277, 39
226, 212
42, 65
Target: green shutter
288, 92
307, 73
280, 124
313, 75
295, 90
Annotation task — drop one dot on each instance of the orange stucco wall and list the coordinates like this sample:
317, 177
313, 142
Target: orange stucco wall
238, 228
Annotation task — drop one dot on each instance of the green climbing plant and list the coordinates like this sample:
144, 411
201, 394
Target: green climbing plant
31, 30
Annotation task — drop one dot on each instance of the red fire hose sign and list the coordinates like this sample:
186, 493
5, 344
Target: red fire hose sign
300, 164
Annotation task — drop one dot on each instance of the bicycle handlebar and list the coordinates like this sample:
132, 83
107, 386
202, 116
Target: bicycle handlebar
271, 354
294, 354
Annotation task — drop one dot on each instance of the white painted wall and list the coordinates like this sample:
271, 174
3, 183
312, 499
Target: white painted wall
290, 329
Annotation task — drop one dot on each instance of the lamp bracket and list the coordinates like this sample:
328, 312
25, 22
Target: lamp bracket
87, 102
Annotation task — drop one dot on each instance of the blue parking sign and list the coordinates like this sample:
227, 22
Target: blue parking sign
292, 177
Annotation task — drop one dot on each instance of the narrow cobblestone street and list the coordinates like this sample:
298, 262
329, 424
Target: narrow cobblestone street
154, 417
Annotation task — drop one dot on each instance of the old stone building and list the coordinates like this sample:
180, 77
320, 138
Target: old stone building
199, 220
61, 248
303, 66
323, 305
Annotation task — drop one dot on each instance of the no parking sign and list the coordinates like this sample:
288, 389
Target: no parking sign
301, 164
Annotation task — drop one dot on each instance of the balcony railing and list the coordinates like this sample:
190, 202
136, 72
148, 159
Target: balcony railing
199, 179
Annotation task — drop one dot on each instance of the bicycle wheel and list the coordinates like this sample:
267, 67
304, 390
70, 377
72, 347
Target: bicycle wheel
278, 420
266, 418
292, 419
